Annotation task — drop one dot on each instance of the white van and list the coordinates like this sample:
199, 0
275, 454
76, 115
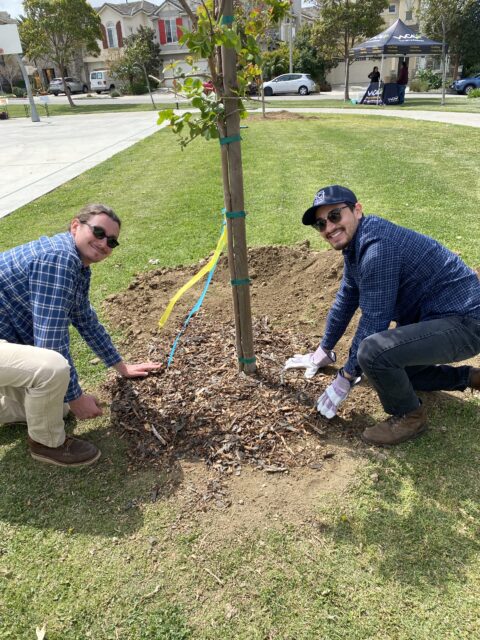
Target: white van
100, 80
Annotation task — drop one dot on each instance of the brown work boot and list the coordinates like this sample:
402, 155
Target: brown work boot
474, 379
397, 429
72, 453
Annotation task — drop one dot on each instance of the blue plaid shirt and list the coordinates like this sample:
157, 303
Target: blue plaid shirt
43, 289
395, 274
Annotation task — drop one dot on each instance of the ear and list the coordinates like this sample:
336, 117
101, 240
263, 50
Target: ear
75, 223
358, 211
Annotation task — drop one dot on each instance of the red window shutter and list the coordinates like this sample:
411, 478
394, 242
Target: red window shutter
161, 31
104, 37
119, 34
179, 27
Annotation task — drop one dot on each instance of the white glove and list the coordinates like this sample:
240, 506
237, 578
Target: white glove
311, 362
335, 394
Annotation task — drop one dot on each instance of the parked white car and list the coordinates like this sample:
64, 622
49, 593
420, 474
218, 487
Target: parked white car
301, 83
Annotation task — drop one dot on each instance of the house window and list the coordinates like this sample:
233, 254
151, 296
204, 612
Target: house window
392, 8
409, 14
112, 36
171, 30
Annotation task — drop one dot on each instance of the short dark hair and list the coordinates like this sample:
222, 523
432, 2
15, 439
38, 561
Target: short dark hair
90, 210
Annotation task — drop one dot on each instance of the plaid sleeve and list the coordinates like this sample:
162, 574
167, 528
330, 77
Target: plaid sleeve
86, 322
52, 283
339, 316
380, 270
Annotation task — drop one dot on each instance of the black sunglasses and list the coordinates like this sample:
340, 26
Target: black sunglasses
335, 215
100, 234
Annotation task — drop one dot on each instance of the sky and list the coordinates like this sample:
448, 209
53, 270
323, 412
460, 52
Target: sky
15, 7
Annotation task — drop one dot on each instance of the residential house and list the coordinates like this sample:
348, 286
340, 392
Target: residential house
406, 10
119, 21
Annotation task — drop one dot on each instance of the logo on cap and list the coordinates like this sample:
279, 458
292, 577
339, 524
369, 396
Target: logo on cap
320, 197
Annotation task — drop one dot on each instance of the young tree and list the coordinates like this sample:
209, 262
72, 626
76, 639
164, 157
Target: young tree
9, 69
59, 29
140, 58
344, 23
232, 62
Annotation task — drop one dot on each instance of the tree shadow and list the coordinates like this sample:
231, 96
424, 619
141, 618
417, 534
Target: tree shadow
419, 522
104, 499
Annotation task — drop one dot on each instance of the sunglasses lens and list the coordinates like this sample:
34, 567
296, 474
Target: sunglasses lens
320, 224
335, 215
98, 232
112, 243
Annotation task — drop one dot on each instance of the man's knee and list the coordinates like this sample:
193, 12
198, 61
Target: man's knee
52, 366
368, 352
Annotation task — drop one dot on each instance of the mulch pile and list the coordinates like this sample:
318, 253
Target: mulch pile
201, 408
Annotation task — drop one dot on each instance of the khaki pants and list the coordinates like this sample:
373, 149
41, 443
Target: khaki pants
33, 383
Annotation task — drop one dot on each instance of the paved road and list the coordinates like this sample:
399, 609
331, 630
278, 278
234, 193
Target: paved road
38, 157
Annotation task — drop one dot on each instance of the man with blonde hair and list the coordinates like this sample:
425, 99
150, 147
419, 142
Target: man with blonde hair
44, 287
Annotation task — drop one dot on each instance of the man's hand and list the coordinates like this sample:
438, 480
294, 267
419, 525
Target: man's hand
334, 395
85, 407
311, 362
136, 370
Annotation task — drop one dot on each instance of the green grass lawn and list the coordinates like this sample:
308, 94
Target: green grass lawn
394, 557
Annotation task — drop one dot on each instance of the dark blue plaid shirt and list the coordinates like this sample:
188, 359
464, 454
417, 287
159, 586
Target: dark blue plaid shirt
396, 274
43, 289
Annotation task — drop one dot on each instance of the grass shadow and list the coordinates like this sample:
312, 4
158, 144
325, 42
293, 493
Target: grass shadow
104, 499
418, 518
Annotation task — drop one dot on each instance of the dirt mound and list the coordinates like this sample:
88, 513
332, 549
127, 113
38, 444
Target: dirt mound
201, 408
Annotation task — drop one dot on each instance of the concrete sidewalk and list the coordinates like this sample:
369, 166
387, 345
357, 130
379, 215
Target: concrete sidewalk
40, 156
37, 157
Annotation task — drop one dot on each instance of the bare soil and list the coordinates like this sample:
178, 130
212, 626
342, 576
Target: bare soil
253, 447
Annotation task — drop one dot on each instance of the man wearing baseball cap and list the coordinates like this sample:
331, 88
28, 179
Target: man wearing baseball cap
393, 274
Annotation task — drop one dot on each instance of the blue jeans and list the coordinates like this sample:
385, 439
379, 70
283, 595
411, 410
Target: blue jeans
401, 93
399, 361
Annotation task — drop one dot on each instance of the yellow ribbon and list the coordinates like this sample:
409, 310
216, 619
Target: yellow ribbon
205, 269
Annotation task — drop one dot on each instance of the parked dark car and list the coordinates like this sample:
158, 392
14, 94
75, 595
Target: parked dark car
75, 86
465, 85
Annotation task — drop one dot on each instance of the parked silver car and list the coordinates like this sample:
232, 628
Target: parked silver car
301, 83
76, 86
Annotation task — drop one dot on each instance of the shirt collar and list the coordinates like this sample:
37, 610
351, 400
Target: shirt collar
71, 241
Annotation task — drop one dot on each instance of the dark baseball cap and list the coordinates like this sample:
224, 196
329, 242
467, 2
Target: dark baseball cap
328, 195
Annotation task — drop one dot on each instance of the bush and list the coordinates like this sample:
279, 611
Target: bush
418, 85
18, 92
115, 94
474, 93
433, 80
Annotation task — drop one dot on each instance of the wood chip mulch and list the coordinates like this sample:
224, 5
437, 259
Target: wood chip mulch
202, 408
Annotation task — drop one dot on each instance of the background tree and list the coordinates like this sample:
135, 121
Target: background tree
443, 20
275, 62
140, 58
344, 23
59, 29
9, 69
307, 58
469, 45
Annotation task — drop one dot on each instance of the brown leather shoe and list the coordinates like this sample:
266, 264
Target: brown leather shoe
474, 379
72, 453
397, 429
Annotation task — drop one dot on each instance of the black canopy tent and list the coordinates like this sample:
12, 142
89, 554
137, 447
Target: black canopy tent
398, 41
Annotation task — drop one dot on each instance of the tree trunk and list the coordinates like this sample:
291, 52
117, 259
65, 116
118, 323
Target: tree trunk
67, 90
234, 202
346, 95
